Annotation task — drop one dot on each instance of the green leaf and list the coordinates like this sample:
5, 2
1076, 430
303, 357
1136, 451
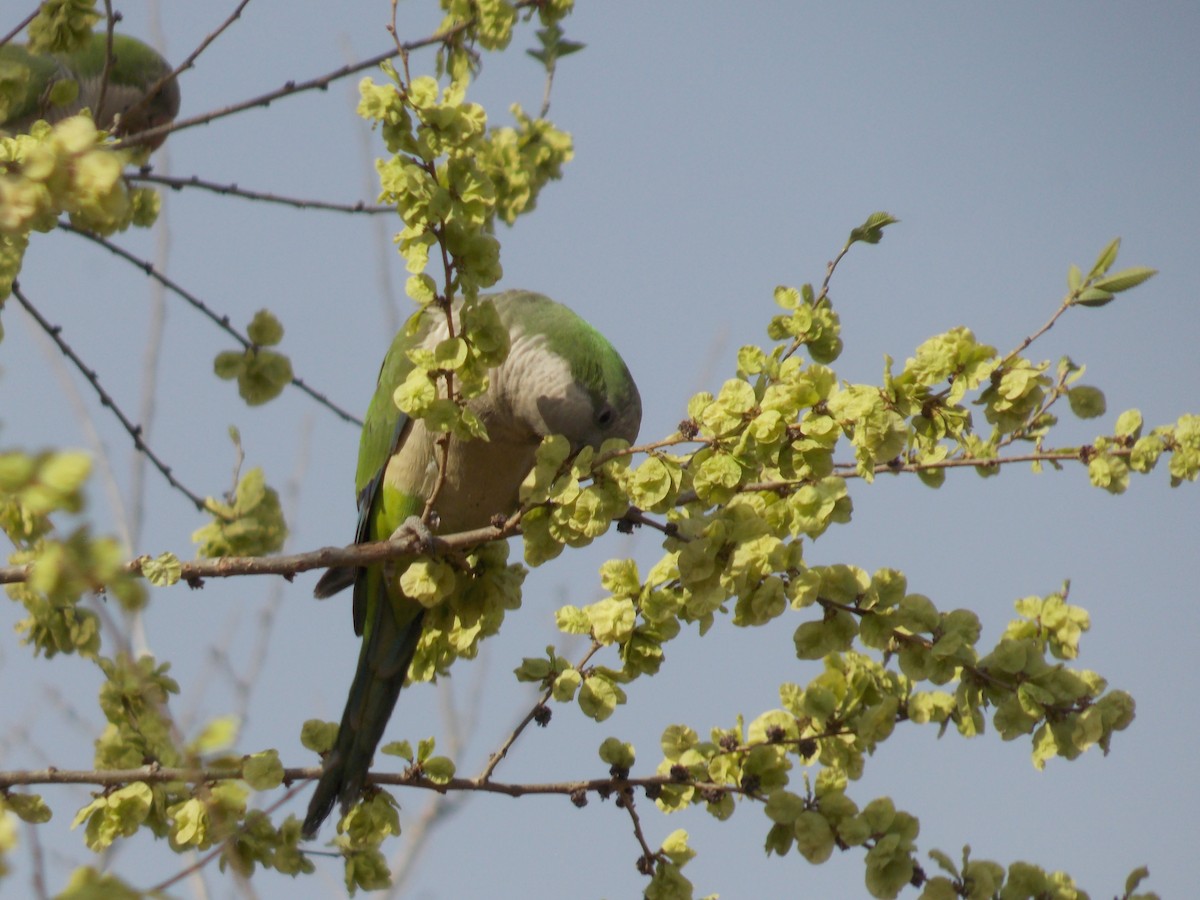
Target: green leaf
264, 329
599, 696
88, 884
566, 684
1087, 402
1136, 877
814, 837
784, 807
1106, 258
617, 753
1129, 424
675, 847
217, 735
163, 570
421, 288
1125, 279
402, 749
438, 769
677, 740
318, 736
228, 364
1074, 278
1095, 298
264, 375
263, 771
251, 526
871, 231
28, 807
533, 668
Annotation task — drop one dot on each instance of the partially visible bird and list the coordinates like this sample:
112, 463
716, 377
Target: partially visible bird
34, 85
561, 377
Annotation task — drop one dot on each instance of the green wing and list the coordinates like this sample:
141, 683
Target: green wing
390, 625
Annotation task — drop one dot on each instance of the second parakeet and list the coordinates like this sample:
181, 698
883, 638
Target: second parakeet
53, 86
561, 377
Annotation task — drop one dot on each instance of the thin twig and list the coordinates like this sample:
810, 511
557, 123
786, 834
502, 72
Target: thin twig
20, 26
484, 777
321, 82
87, 423
1037, 334
134, 431
233, 190
648, 855
222, 321
550, 70
106, 474
183, 67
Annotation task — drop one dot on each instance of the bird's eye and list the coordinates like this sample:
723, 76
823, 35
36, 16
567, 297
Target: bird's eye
606, 416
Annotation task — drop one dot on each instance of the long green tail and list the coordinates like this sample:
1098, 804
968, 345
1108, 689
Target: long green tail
382, 666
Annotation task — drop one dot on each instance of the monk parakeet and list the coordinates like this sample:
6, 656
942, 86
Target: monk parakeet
561, 377
54, 86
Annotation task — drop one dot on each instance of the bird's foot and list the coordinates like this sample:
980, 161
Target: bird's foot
415, 530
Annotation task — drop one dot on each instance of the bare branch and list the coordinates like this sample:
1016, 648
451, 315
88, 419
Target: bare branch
221, 321
134, 431
194, 572
320, 83
625, 799
484, 777
1020, 348
20, 26
155, 774
184, 66
233, 190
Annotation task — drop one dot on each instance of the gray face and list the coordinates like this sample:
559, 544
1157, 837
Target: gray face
571, 412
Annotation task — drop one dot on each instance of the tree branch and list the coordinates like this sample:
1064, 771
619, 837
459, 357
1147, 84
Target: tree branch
154, 774
221, 321
195, 181
321, 82
484, 777
134, 431
183, 67
20, 26
194, 572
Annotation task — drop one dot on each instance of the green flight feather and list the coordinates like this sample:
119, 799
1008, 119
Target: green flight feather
389, 626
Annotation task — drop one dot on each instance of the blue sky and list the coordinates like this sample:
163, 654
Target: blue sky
721, 149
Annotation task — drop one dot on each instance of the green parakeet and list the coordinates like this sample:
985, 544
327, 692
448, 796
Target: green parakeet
561, 377
54, 86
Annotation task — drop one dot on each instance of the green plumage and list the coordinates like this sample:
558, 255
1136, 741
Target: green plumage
54, 86
561, 377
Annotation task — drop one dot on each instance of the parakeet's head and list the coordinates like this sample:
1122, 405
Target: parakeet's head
564, 377
136, 68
